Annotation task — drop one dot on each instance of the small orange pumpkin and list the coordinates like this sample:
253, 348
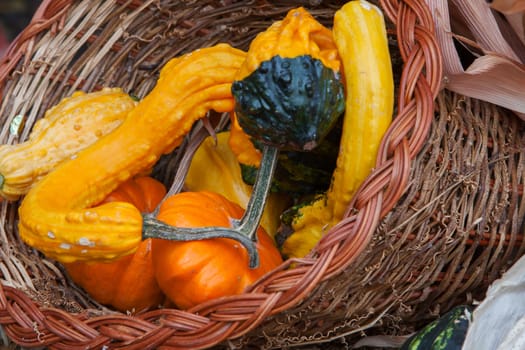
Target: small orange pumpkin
193, 272
127, 284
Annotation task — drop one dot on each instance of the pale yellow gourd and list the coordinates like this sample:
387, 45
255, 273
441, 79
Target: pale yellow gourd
76, 122
215, 168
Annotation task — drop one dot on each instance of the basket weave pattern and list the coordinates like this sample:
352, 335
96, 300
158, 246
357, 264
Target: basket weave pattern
354, 279
467, 196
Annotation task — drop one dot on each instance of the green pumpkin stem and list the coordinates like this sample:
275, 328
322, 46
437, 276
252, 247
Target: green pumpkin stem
243, 230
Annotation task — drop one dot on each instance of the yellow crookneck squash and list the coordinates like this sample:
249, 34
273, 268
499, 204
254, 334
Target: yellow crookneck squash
193, 272
214, 168
360, 35
76, 122
127, 284
58, 216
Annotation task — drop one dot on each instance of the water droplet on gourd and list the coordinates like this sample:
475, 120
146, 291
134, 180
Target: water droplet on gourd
83, 241
90, 216
65, 246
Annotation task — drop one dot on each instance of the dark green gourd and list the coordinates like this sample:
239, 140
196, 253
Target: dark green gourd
293, 104
446, 333
289, 103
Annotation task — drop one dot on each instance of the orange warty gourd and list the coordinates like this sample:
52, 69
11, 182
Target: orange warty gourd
196, 271
69, 227
127, 284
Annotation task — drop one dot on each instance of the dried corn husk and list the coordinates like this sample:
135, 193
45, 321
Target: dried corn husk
497, 72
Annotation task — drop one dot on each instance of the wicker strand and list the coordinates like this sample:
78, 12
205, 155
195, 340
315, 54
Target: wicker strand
47, 16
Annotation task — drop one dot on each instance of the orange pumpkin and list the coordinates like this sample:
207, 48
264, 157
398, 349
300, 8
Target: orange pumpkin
196, 271
127, 284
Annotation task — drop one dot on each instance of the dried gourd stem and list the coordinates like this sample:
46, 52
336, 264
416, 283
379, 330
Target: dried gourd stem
255, 207
242, 230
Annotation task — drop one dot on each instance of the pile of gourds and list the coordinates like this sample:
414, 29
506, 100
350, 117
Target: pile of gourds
88, 200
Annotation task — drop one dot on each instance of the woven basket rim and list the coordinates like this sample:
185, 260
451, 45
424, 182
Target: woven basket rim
339, 248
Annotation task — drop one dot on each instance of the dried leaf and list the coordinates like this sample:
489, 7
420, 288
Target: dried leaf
481, 22
451, 61
514, 11
496, 76
494, 79
508, 6
517, 22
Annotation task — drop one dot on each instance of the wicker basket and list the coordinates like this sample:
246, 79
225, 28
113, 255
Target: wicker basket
438, 220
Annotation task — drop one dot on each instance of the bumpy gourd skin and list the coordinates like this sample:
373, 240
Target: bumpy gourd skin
289, 103
76, 122
57, 215
298, 34
289, 94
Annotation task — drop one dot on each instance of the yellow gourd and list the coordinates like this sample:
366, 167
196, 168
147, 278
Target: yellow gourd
360, 35
73, 124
